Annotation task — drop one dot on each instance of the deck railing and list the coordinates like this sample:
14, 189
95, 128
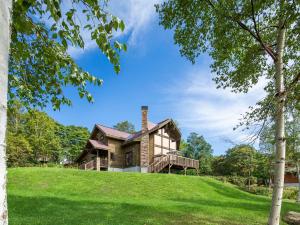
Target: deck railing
91, 165
170, 159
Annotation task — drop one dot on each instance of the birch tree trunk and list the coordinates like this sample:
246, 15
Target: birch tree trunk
274, 217
298, 176
5, 10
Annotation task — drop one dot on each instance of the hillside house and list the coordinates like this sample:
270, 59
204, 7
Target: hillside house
153, 149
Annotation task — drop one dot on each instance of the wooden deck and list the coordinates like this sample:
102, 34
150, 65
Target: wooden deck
172, 160
158, 165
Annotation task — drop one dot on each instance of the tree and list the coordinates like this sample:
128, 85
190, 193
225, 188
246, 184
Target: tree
241, 160
246, 40
292, 134
218, 165
40, 66
197, 148
5, 18
73, 139
125, 126
19, 151
293, 143
41, 132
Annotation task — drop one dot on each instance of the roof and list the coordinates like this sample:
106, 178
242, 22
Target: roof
112, 132
127, 137
98, 144
151, 125
153, 128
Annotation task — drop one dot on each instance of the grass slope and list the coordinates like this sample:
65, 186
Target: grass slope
50, 196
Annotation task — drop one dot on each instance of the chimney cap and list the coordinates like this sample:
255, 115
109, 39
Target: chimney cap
144, 107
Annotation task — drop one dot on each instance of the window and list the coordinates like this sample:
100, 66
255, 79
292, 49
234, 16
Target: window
128, 158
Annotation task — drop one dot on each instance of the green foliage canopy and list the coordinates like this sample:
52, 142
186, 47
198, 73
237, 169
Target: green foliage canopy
72, 139
125, 126
196, 147
240, 37
34, 137
40, 66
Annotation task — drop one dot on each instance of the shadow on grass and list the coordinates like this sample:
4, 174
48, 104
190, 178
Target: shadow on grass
58, 211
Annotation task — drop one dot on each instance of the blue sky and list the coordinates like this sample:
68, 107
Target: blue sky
153, 73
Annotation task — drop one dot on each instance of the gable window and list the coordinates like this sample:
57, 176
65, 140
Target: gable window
128, 158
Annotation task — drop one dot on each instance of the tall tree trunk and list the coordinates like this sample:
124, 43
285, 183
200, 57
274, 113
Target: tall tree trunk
274, 217
298, 176
5, 10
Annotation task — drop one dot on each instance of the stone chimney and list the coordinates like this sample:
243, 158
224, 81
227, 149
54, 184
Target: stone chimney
144, 141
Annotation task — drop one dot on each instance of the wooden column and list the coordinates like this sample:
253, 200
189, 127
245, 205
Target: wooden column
161, 141
98, 162
108, 159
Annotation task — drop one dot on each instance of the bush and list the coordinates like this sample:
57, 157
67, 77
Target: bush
290, 193
190, 172
236, 180
260, 190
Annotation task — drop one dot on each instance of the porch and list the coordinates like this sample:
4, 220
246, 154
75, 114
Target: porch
95, 164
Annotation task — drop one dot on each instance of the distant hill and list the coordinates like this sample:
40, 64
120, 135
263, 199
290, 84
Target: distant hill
52, 196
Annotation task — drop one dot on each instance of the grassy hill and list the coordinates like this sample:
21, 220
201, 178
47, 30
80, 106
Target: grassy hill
50, 196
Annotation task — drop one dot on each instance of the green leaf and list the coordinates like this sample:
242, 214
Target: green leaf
122, 25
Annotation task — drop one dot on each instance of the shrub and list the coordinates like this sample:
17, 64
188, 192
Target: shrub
236, 180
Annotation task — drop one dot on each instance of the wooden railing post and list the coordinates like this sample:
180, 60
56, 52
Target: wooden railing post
98, 163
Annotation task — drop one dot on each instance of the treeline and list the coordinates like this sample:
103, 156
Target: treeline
240, 160
35, 138
248, 167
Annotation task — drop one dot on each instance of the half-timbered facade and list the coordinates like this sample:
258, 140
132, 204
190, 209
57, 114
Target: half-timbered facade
153, 149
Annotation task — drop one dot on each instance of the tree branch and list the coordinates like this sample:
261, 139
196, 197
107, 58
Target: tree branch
294, 82
267, 48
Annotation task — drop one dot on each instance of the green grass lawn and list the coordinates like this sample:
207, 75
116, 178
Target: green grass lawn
51, 196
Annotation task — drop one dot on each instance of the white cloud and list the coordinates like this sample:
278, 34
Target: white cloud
200, 107
137, 15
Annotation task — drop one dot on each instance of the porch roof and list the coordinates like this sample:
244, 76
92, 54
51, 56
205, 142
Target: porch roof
98, 145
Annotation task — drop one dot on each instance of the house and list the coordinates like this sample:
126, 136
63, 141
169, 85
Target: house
153, 149
291, 175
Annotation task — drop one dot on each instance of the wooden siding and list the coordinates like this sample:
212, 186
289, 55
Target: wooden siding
116, 148
290, 178
135, 149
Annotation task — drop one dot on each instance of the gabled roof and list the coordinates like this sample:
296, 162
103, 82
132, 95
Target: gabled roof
112, 132
127, 137
154, 127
